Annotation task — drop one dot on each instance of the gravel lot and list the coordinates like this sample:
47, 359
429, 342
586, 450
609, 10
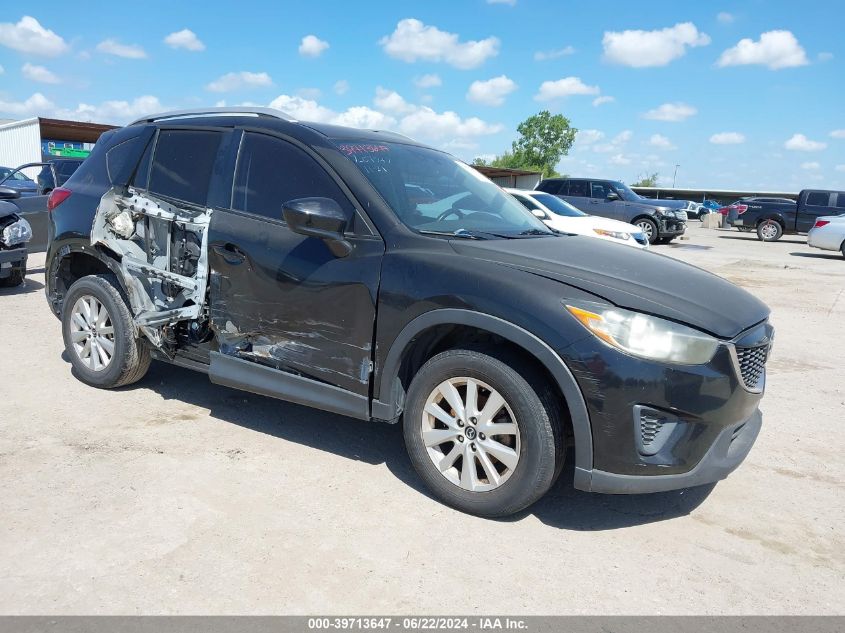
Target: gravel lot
176, 496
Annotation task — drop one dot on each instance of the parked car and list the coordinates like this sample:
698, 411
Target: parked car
774, 217
496, 341
31, 206
828, 233
56, 171
562, 216
711, 205
15, 232
615, 200
17, 180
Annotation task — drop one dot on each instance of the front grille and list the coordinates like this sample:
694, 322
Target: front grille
752, 362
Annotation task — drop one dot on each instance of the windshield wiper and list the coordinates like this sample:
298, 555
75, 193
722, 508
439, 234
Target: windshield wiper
538, 232
461, 233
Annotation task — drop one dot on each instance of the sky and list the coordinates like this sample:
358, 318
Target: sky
738, 94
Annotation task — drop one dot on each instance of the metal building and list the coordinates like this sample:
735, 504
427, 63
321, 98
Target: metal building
36, 139
515, 178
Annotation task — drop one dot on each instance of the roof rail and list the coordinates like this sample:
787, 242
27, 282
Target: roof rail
247, 110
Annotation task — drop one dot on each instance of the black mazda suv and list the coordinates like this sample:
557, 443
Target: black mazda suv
362, 273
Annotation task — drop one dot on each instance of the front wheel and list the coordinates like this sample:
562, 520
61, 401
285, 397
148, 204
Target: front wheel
649, 228
99, 335
769, 230
14, 279
483, 432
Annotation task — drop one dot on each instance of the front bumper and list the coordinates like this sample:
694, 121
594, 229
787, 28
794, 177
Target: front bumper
672, 226
12, 259
729, 450
658, 426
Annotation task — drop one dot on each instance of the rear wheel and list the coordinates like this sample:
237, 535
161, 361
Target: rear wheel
649, 228
769, 230
99, 335
483, 432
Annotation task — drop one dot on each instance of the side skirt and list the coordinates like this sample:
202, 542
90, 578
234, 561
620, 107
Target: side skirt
266, 381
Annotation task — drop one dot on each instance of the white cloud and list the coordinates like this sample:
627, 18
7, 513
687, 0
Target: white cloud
588, 137
616, 144
412, 41
418, 121
238, 81
40, 74
341, 87
660, 142
28, 36
116, 112
602, 100
312, 46
428, 81
619, 159
840, 168
130, 51
541, 56
562, 88
640, 49
725, 18
309, 93
727, 138
186, 39
391, 101
811, 166
838, 134
801, 143
36, 104
775, 49
2, 70
673, 112
426, 123
491, 92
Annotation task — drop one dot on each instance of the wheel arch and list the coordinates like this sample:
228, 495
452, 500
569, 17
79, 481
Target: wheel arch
777, 217
389, 404
72, 262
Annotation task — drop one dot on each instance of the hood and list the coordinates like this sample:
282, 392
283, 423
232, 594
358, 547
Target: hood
7, 209
666, 204
584, 225
629, 278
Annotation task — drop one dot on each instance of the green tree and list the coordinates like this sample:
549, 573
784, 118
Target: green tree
647, 181
544, 139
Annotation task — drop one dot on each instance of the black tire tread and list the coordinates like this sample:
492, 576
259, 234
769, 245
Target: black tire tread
136, 359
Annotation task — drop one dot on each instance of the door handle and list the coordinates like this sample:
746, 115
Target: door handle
230, 253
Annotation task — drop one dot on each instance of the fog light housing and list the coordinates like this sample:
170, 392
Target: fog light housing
652, 429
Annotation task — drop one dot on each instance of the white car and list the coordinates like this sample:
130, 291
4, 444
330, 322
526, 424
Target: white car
828, 233
562, 216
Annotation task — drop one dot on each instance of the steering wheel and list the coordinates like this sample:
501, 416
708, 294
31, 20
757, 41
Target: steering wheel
451, 211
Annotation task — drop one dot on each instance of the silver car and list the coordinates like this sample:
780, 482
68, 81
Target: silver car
828, 233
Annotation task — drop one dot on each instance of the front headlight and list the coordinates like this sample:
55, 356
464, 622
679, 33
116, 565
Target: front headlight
646, 336
617, 235
18, 232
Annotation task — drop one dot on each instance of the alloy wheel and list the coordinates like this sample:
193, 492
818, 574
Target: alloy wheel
647, 228
92, 333
769, 230
470, 434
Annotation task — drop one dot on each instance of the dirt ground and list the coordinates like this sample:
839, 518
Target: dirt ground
174, 496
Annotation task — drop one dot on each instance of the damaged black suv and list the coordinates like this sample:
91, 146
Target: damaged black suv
362, 273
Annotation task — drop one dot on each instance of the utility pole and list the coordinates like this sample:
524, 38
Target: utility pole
675, 176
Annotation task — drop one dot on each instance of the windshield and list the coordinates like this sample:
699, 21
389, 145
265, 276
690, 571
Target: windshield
5, 173
625, 192
557, 206
432, 192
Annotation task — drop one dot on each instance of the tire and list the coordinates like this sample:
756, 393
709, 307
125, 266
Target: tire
16, 278
649, 227
769, 230
842, 248
531, 455
664, 240
129, 359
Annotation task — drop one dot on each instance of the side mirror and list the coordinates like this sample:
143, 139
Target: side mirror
613, 196
539, 213
7, 193
318, 217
